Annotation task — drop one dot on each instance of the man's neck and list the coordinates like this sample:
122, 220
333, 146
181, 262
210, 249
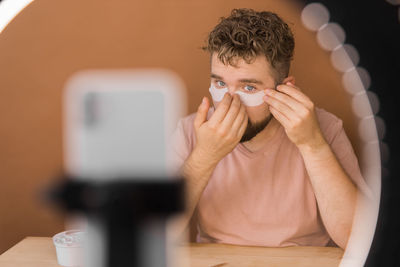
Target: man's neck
258, 141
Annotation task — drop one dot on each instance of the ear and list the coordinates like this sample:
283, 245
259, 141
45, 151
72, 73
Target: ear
290, 79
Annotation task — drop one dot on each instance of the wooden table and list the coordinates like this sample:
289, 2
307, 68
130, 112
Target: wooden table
40, 252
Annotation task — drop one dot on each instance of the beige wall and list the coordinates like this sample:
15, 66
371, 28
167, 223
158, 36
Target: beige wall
50, 40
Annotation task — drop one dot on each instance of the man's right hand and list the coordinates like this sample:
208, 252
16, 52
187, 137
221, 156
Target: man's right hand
216, 137
219, 135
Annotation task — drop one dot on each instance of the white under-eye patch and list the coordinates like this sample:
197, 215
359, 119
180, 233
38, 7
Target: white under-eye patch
250, 100
217, 94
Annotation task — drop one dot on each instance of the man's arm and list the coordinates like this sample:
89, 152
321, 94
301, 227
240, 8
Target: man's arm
215, 138
335, 192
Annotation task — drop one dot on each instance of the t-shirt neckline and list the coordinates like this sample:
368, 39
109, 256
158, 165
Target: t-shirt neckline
270, 143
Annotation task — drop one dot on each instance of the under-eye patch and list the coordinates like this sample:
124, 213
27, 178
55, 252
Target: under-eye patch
250, 100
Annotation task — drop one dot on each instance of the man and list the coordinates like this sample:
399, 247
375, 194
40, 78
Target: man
279, 172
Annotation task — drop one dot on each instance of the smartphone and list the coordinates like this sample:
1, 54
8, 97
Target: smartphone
117, 122
117, 125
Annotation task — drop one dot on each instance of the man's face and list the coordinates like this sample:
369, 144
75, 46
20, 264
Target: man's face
248, 78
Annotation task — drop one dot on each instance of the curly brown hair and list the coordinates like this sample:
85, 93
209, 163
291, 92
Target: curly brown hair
247, 34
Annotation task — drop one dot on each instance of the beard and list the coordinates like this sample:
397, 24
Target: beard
253, 129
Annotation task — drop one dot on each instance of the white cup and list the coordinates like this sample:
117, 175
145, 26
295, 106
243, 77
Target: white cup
69, 247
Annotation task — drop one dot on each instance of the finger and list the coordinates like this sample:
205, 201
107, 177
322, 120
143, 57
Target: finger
280, 117
239, 119
201, 115
221, 110
281, 107
294, 92
289, 101
232, 112
243, 126
292, 85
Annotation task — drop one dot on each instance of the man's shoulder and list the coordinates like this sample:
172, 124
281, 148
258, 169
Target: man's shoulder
188, 120
185, 126
329, 123
326, 118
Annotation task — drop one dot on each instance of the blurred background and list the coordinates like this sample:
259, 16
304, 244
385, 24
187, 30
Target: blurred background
50, 40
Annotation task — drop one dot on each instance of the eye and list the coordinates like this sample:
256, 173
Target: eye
249, 88
220, 84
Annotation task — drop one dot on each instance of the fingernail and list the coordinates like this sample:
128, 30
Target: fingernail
204, 100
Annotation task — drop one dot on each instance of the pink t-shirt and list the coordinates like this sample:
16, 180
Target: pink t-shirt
265, 198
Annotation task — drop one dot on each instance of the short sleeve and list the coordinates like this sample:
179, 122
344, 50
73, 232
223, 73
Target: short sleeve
179, 146
342, 148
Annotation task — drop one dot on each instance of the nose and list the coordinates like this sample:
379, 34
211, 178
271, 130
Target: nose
231, 91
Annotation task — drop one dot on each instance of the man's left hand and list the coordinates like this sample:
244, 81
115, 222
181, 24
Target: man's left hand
295, 111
